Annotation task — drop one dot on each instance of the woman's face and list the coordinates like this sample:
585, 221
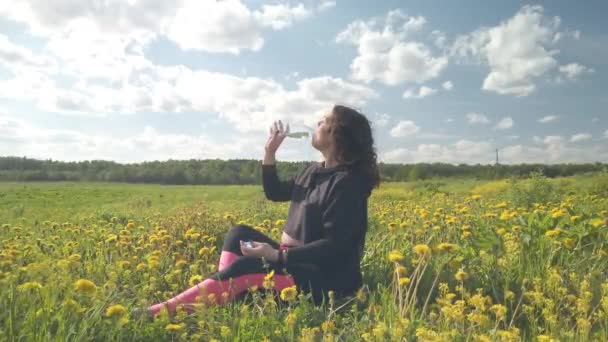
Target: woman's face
322, 140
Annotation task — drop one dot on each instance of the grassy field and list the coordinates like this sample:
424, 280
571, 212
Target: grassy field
449, 260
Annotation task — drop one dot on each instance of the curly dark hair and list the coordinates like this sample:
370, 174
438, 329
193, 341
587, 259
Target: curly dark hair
352, 135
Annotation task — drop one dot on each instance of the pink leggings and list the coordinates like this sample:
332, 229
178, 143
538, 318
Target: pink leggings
236, 274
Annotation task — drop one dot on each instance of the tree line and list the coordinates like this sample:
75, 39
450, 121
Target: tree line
246, 171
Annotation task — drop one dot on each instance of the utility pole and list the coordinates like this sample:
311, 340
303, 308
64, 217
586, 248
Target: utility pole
497, 157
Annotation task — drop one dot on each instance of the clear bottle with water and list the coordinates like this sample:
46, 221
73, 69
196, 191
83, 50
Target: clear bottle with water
305, 134
300, 131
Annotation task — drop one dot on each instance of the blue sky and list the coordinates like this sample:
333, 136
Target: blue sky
440, 81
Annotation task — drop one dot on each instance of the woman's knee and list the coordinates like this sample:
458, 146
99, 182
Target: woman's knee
236, 233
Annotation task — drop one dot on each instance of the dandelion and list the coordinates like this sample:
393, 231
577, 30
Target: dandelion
289, 293
115, 310
597, 222
175, 327
225, 331
461, 275
268, 282
74, 257
401, 270
553, 232
447, 247
404, 281
395, 256
291, 319
31, 285
499, 310
422, 250
85, 286
195, 279
328, 326
361, 295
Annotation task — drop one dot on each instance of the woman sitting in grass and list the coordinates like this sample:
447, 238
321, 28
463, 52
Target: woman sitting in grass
324, 234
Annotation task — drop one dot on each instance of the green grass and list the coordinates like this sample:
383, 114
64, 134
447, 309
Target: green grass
540, 262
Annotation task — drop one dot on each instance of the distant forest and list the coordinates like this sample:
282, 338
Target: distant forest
242, 171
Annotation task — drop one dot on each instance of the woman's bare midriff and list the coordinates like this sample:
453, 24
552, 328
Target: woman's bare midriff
288, 240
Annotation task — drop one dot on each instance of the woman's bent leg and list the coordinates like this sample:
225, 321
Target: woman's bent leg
227, 284
232, 249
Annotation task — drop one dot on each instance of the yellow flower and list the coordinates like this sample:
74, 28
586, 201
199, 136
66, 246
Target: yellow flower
291, 319
289, 293
328, 326
32, 285
574, 219
500, 311
422, 250
461, 275
85, 285
268, 282
597, 222
404, 281
501, 205
74, 257
361, 295
401, 270
175, 327
476, 197
448, 247
195, 279
553, 232
115, 310
395, 256
225, 331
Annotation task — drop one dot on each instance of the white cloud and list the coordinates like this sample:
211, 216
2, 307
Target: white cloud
553, 150
548, 118
439, 39
447, 85
21, 139
573, 71
249, 103
449, 120
518, 51
191, 24
326, 5
380, 120
424, 91
596, 119
388, 54
606, 134
404, 128
281, 16
202, 25
505, 123
580, 137
476, 118
461, 151
13, 55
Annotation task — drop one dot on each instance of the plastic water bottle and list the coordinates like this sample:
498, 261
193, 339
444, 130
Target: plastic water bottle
297, 135
301, 131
